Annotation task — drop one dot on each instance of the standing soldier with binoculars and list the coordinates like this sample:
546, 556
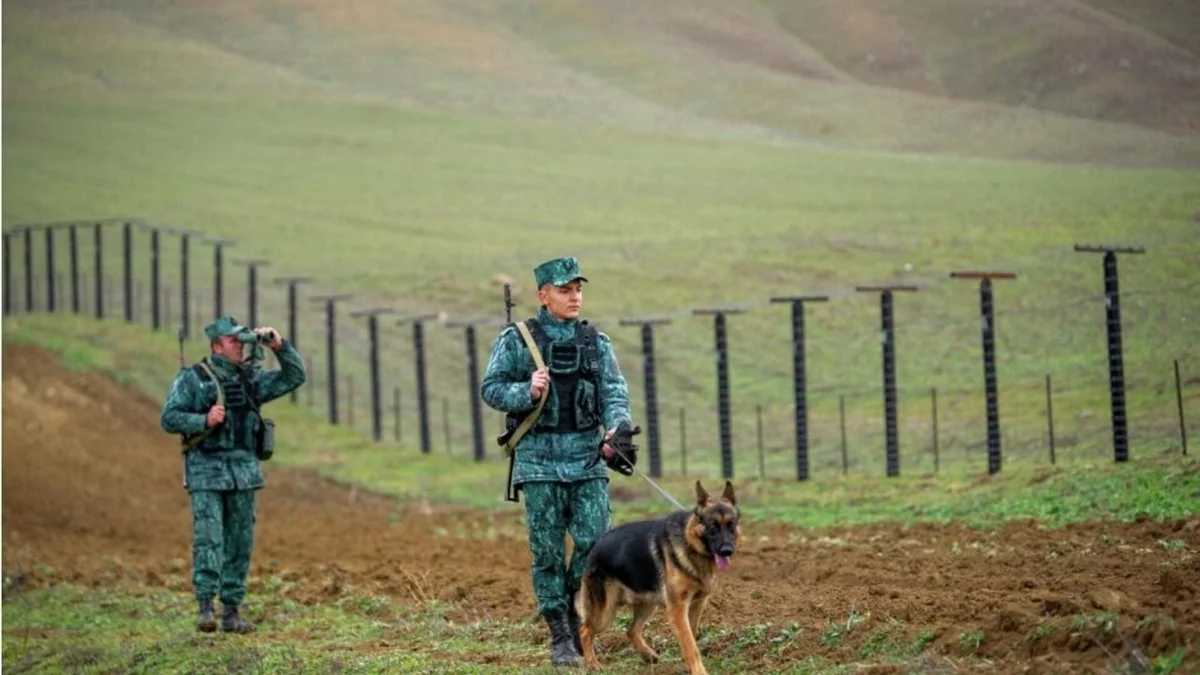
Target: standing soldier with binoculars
215, 406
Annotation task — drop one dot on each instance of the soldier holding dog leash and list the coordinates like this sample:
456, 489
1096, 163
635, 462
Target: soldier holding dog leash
558, 380
215, 406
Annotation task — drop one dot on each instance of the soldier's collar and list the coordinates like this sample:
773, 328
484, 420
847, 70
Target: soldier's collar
545, 317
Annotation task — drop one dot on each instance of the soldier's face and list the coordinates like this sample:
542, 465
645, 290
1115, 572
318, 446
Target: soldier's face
229, 347
562, 301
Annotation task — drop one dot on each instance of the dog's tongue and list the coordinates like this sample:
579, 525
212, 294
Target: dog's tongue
722, 561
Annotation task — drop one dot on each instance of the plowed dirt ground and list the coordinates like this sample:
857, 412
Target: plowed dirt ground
92, 488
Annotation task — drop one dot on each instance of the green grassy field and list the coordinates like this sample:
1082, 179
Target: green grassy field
131, 627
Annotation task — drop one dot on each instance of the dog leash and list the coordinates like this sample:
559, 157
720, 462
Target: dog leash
649, 480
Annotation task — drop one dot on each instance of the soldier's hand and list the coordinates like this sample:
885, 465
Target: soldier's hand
606, 448
539, 382
216, 415
272, 337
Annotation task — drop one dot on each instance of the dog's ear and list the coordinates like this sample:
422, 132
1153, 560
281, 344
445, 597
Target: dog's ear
701, 494
728, 494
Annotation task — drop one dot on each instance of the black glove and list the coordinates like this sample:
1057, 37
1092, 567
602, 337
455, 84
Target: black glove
624, 455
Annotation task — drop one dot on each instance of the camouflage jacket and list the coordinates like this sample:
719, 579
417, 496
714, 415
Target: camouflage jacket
552, 456
227, 461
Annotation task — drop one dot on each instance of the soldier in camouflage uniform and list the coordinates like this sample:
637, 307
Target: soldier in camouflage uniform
222, 472
588, 400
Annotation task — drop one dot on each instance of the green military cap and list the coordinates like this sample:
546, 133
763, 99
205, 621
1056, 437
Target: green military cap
227, 325
557, 271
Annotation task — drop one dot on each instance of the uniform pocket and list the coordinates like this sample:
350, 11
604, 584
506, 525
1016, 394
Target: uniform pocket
587, 412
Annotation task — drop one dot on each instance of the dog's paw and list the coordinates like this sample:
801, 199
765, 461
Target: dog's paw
650, 656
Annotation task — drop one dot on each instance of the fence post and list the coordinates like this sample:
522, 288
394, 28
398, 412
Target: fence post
185, 297
219, 275
293, 329
7, 273
1050, 417
422, 397
799, 377
73, 243
1179, 402
723, 413
373, 360
682, 442
473, 382
396, 412
889, 370
650, 382
989, 360
50, 297
937, 463
155, 290
127, 268
762, 467
252, 265
1116, 359
446, 423
331, 349
842, 419
29, 266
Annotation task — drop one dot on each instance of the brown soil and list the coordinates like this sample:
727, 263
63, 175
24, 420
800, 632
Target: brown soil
101, 502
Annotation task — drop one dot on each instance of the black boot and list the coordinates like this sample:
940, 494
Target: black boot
232, 623
206, 621
562, 647
573, 622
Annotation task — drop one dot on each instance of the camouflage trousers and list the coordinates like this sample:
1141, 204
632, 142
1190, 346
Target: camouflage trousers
222, 540
551, 511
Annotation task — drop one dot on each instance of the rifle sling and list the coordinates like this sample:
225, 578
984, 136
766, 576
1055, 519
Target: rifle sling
527, 423
196, 440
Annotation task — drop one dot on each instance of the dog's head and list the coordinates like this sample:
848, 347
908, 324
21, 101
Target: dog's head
715, 524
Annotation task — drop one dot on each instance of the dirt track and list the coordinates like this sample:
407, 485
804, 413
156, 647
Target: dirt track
102, 500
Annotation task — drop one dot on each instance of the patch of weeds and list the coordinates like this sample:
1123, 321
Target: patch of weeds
1165, 664
1042, 631
970, 641
786, 636
751, 636
882, 640
837, 632
1106, 622
1172, 544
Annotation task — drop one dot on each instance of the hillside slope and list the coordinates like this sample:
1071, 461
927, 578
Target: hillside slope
1057, 82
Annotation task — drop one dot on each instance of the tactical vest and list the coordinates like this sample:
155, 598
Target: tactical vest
574, 367
237, 389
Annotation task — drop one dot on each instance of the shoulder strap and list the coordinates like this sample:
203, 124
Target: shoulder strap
192, 442
527, 423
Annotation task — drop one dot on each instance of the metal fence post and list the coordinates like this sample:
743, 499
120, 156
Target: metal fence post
373, 362
293, 310
127, 264
50, 275
422, 395
73, 244
799, 378
722, 354
252, 265
991, 396
98, 265
650, 381
889, 370
331, 349
1116, 359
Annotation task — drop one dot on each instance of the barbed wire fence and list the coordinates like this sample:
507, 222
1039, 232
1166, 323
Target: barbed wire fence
814, 397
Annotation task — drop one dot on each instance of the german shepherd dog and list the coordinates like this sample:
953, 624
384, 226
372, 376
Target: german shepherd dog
671, 562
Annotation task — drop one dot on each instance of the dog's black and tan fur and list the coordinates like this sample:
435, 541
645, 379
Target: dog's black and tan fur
670, 562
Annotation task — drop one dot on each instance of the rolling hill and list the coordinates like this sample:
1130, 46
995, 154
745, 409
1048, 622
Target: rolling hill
369, 143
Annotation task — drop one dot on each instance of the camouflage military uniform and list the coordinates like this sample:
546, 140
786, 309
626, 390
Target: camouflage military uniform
222, 473
588, 395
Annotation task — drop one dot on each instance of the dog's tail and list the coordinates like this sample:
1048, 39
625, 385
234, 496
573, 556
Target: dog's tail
591, 596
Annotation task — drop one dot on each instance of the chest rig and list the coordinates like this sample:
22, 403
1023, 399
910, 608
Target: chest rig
237, 390
574, 365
